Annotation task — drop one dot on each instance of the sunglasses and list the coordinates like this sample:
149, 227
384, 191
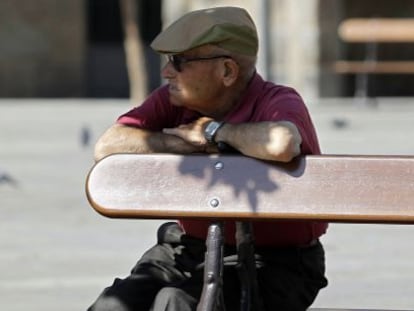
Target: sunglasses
177, 61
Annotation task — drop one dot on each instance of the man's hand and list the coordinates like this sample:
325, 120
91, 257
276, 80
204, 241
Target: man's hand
192, 133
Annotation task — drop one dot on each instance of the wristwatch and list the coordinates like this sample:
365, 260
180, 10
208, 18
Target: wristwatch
211, 130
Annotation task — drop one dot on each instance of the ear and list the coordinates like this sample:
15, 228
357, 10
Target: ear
231, 72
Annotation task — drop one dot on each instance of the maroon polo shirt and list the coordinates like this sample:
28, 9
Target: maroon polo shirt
261, 101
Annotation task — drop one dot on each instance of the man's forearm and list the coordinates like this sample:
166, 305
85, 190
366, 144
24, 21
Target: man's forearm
276, 141
124, 139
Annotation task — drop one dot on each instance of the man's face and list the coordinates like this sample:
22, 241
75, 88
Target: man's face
195, 79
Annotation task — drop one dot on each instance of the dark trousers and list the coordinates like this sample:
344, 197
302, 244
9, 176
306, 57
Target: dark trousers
169, 276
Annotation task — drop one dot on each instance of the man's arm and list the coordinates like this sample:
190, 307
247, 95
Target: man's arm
275, 141
125, 139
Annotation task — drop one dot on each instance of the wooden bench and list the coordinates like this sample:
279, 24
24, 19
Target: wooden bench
371, 32
352, 189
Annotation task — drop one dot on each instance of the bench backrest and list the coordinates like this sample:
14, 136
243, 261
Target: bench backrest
377, 30
332, 188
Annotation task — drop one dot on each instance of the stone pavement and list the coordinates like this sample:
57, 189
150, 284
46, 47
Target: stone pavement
58, 254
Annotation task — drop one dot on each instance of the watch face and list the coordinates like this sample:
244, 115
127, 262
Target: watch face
211, 130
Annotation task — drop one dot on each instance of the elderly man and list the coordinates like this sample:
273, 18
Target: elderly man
214, 99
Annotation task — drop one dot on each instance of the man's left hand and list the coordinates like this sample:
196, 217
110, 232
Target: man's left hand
192, 132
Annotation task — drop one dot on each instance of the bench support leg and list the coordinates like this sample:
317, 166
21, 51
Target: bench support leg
249, 297
362, 80
212, 294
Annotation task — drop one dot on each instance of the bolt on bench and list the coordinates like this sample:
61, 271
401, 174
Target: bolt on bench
350, 189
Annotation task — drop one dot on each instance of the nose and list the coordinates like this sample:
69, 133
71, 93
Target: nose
168, 71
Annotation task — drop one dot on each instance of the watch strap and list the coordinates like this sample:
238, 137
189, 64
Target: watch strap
211, 131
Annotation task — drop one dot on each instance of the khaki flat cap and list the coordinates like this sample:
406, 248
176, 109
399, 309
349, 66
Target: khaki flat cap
230, 28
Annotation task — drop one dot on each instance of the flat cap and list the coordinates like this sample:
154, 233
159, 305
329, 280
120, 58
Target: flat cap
230, 28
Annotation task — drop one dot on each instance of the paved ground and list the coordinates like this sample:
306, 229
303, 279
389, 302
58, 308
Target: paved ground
57, 253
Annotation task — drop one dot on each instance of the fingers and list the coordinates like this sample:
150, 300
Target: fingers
193, 136
192, 132
170, 131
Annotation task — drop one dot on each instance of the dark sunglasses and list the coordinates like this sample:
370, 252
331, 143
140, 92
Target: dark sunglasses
177, 60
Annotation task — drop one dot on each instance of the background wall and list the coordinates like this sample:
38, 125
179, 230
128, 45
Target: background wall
42, 50
74, 48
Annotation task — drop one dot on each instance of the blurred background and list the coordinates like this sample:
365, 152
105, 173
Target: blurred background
68, 68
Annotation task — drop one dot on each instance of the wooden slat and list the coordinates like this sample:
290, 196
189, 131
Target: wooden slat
377, 30
377, 67
351, 310
331, 188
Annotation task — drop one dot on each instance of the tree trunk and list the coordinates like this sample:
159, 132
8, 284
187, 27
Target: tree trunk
133, 52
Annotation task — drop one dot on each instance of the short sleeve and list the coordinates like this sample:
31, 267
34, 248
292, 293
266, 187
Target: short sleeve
155, 113
285, 104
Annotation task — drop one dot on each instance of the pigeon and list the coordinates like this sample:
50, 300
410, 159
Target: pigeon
6, 178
